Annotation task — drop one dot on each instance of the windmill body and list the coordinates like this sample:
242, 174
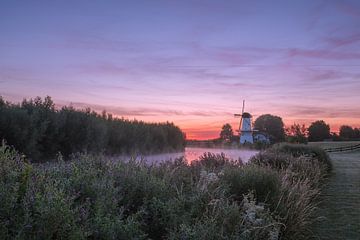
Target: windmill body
246, 132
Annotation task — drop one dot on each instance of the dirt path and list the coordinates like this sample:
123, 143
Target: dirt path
341, 200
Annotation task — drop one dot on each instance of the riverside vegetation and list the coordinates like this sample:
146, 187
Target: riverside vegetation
38, 130
90, 197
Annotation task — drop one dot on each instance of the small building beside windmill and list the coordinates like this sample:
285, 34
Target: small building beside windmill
261, 137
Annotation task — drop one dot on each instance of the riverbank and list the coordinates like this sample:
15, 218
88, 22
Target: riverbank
271, 197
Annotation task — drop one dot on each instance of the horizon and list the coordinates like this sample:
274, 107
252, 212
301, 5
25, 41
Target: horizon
81, 107
191, 63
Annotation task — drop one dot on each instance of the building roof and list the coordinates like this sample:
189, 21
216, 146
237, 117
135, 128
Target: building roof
246, 115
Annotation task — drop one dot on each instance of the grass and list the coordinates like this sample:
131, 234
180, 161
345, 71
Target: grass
341, 199
333, 144
91, 197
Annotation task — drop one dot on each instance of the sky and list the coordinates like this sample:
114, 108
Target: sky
187, 62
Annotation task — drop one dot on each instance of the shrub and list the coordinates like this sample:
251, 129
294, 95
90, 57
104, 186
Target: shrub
14, 181
263, 182
228, 220
296, 207
302, 169
214, 162
297, 150
91, 197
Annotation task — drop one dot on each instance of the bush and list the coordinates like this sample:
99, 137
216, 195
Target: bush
214, 162
263, 182
297, 150
302, 169
91, 197
295, 207
226, 220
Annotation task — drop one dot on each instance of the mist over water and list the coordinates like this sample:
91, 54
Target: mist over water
193, 153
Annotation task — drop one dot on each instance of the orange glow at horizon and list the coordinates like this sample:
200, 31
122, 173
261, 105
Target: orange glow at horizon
202, 125
204, 128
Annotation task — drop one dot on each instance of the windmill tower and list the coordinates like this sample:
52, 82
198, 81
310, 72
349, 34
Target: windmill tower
245, 130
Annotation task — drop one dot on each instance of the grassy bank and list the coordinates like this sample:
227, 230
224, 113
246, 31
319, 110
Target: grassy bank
333, 144
272, 197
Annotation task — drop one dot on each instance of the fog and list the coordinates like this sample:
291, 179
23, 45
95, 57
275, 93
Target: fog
193, 153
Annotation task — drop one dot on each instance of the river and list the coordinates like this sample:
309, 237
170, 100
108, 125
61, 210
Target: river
193, 153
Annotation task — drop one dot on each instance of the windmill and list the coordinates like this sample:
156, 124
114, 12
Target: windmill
245, 129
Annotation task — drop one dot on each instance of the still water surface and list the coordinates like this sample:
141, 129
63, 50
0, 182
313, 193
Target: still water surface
193, 153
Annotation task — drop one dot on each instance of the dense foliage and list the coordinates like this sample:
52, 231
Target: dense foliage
272, 125
90, 197
37, 129
319, 131
296, 133
226, 134
348, 133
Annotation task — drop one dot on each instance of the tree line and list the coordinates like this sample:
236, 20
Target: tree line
274, 128
41, 132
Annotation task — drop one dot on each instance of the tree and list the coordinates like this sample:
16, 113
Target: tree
319, 131
347, 132
40, 131
271, 125
357, 133
296, 133
226, 133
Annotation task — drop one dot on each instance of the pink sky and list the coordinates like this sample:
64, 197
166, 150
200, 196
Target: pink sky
188, 62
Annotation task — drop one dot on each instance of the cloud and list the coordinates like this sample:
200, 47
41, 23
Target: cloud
16, 74
103, 68
325, 75
91, 42
322, 54
140, 112
301, 111
343, 40
348, 8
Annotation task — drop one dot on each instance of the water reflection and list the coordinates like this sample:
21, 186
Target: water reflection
193, 153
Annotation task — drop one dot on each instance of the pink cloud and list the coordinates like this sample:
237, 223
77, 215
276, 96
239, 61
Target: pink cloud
322, 54
101, 68
349, 8
344, 40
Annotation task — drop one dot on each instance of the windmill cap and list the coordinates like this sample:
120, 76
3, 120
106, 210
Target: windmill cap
246, 115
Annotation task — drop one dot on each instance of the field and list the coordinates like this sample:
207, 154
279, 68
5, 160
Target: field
334, 144
340, 197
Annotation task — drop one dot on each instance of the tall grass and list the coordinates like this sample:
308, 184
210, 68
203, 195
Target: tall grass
91, 197
302, 170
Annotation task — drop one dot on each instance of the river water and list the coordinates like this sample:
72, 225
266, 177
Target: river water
193, 153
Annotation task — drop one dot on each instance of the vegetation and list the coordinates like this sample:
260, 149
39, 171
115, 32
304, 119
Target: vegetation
298, 150
302, 170
349, 133
226, 134
213, 198
333, 144
319, 131
296, 133
272, 126
38, 130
